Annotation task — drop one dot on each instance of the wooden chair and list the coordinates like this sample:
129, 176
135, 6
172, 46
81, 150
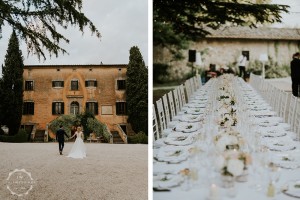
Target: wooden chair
172, 105
161, 115
283, 106
167, 110
188, 90
182, 95
176, 101
292, 112
297, 119
156, 134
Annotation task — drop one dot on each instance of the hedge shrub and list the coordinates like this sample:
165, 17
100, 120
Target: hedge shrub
20, 137
139, 138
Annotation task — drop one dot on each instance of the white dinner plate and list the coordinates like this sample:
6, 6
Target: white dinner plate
293, 189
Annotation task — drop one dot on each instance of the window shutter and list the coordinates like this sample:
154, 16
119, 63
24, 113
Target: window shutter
95, 83
53, 108
62, 83
53, 83
24, 107
117, 108
62, 108
87, 107
32, 103
86, 83
96, 107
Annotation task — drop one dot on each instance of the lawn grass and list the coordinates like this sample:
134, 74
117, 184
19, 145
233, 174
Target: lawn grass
159, 93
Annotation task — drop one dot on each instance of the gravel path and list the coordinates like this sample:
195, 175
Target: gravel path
110, 171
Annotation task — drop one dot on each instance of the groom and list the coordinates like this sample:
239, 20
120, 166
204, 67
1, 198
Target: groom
60, 133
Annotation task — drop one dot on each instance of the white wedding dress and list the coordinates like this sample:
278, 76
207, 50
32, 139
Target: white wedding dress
78, 149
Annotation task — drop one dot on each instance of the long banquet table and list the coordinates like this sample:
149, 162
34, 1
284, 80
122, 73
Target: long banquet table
226, 121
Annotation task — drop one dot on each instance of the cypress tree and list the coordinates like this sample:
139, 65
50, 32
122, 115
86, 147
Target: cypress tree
12, 86
137, 91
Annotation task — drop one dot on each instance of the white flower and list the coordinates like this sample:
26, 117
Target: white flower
221, 144
235, 167
220, 162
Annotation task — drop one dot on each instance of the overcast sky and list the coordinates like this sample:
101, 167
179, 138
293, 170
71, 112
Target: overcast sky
291, 19
122, 24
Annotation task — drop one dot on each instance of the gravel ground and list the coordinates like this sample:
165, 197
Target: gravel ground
110, 171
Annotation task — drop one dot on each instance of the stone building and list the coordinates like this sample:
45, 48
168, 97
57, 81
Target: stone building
223, 47
52, 90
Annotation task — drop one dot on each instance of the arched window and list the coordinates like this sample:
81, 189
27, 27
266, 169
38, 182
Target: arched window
74, 108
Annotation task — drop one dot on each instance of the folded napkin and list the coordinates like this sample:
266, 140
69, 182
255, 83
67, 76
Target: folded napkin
167, 181
180, 139
293, 189
191, 118
281, 146
263, 113
287, 160
172, 154
162, 168
187, 127
159, 143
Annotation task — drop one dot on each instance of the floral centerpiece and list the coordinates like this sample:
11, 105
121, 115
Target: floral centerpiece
227, 120
232, 165
228, 141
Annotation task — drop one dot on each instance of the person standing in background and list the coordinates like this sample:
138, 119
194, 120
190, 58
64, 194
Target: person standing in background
295, 74
242, 65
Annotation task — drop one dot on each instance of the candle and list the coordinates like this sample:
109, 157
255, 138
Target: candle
213, 193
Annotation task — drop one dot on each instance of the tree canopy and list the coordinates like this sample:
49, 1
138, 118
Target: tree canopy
188, 20
137, 91
11, 87
36, 21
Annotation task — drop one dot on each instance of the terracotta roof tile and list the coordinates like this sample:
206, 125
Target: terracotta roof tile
265, 33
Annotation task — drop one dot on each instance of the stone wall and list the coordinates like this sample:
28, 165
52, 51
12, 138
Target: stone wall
225, 52
106, 93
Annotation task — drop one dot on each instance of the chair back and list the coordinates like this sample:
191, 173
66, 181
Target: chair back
172, 105
161, 115
167, 110
154, 124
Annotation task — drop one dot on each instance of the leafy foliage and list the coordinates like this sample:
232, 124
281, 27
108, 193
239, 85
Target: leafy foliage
98, 128
86, 120
20, 137
177, 22
36, 22
11, 87
160, 72
83, 121
272, 69
67, 121
137, 91
139, 138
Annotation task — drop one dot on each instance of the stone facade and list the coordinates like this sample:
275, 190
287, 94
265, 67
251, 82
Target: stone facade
224, 46
73, 86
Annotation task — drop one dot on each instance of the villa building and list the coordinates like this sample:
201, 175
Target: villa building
53, 90
224, 46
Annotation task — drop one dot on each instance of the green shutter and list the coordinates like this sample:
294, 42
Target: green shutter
53, 108
96, 107
32, 103
62, 108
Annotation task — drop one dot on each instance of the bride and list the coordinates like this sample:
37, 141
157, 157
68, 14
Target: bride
78, 149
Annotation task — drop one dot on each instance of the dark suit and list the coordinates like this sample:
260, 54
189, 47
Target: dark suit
61, 139
295, 75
